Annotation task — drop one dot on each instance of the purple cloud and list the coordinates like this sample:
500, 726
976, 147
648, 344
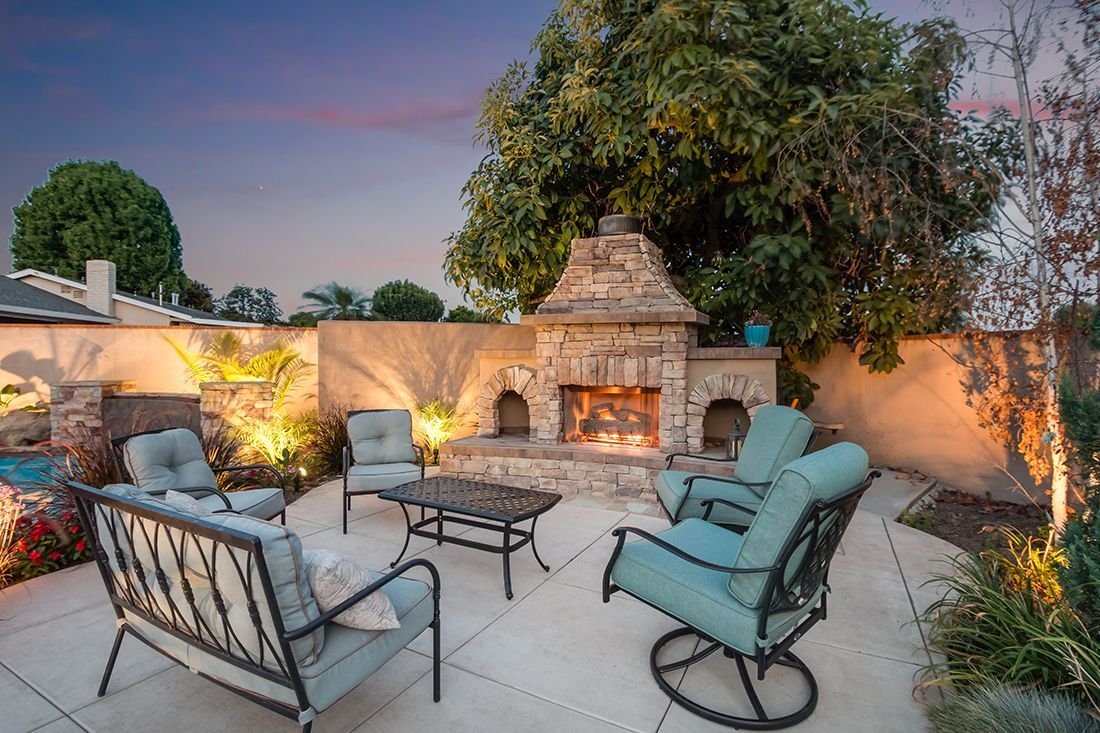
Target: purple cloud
415, 114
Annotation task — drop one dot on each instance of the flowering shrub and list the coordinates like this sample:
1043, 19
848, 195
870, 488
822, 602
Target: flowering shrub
43, 544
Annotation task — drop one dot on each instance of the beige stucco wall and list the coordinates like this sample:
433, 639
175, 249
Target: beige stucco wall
381, 364
34, 357
917, 416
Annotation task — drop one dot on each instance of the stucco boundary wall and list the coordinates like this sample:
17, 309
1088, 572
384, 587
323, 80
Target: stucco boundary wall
917, 417
36, 357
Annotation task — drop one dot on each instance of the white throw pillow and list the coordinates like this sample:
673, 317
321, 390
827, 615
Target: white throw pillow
186, 504
334, 578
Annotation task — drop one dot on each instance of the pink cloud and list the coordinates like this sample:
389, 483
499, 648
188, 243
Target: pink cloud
414, 114
985, 107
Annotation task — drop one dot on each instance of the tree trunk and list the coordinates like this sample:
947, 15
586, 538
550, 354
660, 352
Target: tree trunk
1048, 346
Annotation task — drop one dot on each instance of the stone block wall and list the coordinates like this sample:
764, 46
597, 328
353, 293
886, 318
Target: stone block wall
76, 408
224, 404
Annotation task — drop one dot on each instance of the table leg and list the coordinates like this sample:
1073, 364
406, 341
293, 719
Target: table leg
507, 561
439, 526
537, 558
408, 533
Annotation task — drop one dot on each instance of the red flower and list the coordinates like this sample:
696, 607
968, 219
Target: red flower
36, 557
55, 555
81, 545
73, 529
23, 521
22, 545
68, 516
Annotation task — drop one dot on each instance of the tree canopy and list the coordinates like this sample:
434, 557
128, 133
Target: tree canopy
401, 300
335, 302
99, 210
797, 157
254, 305
464, 314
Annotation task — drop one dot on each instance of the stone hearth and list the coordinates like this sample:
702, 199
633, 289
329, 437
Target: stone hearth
616, 326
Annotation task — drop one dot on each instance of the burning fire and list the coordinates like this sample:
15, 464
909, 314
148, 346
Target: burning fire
641, 441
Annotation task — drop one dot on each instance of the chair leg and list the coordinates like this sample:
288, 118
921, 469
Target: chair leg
345, 505
307, 727
110, 664
435, 661
759, 718
282, 517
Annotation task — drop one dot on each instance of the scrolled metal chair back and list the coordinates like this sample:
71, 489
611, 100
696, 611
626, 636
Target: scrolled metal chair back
206, 585
804, 561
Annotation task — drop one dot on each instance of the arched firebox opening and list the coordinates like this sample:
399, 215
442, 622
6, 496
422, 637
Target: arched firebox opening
513, 414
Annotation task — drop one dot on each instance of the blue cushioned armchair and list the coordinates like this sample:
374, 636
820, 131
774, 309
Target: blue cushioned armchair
380, 454
750, 596
777, 436
172, 459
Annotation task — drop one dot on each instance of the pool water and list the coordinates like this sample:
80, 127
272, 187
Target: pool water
25, 473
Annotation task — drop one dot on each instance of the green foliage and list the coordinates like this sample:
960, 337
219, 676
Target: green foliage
301, 319
9, 393
277, 442
401, 300
253, 305
335, 302
436, 422
322, 453
89, 210
997, 707
1080, 413
924, 520
1003, 618
225, 359
462, 314
798, 157
197, 295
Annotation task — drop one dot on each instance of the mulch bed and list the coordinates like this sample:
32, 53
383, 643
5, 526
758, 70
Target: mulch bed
971, 521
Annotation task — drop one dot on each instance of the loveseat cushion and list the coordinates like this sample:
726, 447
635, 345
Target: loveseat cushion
381, 436
258, 503
170, 459
696, 595
823, 475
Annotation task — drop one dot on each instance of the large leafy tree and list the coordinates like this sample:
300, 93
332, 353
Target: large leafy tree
335, 302
99, 210
793, 156
244, 303
401, 300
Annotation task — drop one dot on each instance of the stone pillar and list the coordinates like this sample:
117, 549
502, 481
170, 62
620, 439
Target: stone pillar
76, 408
224, 404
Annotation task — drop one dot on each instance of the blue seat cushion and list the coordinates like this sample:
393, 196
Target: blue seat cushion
372, 478
259, 503
671, 490
698, 596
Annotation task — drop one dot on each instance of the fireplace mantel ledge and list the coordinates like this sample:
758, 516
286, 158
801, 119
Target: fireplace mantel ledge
735, 352
632, 316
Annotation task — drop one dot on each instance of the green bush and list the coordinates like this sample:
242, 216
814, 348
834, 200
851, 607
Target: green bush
1004, 618
322, 453
994, 707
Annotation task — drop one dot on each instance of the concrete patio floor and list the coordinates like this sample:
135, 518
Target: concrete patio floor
554, 658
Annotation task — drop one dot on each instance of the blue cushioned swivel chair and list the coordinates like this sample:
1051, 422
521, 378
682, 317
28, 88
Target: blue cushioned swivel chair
749, 596
777, 436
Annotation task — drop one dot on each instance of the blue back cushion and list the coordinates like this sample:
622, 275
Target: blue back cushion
777, 436
381, 436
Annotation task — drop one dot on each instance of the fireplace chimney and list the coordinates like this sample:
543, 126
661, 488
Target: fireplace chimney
99, 276
619, 224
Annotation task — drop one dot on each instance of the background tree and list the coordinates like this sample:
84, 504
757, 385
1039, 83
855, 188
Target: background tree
99, 210
402, 300
797, 157
335, 302
462, 314
1042, 262
254, 305
197, 295
301, 319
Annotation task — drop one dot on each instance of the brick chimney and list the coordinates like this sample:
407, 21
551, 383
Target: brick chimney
99, 276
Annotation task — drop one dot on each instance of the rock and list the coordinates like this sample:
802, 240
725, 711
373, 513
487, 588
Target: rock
24, 428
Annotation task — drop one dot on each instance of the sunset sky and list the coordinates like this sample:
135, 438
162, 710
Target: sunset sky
297, 144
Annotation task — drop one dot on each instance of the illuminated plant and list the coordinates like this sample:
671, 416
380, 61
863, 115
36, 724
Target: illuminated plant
11, 508
437, 421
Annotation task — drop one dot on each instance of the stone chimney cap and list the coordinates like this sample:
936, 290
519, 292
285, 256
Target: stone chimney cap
619, 224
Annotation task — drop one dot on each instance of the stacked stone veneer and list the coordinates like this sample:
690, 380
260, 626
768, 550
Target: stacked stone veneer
746, 390
225, 404
76, 408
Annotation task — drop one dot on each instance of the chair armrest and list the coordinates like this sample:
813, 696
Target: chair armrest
672, 456
708, 505
345, 457
196, 489
362, 593
420, 460
256, 467
622, 532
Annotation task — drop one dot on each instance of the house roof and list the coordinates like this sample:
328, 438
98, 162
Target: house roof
20, 300
178, 312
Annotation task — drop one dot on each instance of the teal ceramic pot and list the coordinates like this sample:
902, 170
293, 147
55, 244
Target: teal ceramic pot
757, 336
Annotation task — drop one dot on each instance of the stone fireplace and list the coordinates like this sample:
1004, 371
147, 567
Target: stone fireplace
614, 380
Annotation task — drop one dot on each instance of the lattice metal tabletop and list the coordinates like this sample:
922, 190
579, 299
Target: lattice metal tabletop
476, 498
486, 506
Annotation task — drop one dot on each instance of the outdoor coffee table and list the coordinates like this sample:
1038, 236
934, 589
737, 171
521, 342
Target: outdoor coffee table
473, 504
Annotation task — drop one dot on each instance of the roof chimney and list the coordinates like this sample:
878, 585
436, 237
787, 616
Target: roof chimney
175, 298
99, 275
